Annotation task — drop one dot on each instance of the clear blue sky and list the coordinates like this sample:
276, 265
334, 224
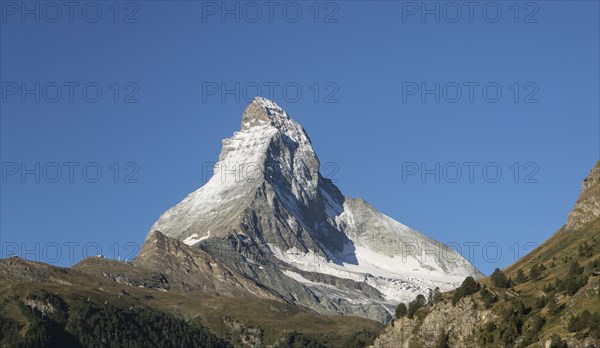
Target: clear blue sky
364, 58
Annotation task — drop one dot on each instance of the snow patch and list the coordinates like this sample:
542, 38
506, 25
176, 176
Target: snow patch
193, 239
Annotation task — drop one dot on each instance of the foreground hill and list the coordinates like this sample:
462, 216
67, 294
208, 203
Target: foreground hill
549, 298
114, 304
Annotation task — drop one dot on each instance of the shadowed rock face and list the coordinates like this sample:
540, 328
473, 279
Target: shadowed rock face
268, 207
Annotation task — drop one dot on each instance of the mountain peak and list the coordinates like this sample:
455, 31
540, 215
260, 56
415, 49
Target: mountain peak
267, 206
262, 111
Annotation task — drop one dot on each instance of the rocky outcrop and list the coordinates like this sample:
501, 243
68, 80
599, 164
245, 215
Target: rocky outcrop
459, 322
242, 335
587, 207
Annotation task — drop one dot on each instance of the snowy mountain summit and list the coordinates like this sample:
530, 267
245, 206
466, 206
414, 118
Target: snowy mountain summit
268, 213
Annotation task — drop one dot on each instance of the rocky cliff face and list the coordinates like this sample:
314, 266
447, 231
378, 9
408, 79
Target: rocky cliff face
267, 207
587, 207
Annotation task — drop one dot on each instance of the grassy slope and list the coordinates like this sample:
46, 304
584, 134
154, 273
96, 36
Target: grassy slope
557, 253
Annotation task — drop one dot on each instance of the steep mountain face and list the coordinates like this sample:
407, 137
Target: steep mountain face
268, 214
552, 299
